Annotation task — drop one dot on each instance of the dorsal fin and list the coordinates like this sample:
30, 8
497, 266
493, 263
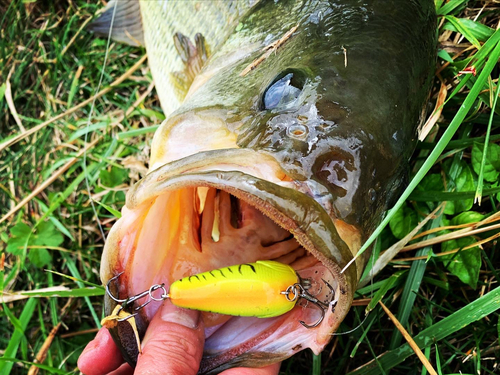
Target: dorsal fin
127, 25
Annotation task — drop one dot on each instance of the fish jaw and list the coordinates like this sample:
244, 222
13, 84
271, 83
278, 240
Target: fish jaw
161, 237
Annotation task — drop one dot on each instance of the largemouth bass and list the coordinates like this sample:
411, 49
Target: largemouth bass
292, 135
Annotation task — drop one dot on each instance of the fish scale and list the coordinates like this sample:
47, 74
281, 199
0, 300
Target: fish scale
215, 20
132, 20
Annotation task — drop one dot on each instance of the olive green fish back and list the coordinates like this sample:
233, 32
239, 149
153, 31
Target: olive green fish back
214, 20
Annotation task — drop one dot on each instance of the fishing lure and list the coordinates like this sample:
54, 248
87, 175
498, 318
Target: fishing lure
263, 289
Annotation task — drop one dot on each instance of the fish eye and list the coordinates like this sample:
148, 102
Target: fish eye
283, 91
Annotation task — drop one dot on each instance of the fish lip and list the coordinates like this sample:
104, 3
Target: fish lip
281, 201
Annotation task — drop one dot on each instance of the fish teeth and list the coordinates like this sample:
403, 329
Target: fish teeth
201, 193
215, 226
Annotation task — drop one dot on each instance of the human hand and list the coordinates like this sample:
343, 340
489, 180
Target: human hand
173, 344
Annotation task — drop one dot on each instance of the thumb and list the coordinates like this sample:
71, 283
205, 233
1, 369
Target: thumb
173, 343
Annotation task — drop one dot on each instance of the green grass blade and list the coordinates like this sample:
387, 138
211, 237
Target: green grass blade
388, 285
76, 279
474, 311
480, 31
450, 6
479, 190
73, 88
110, 209
459, 143
316, 370
498, 328
44, 208
13, 320
65, 194
412, 285
137, 132
80, 282
55, 313
377, 363
370, 288
78, 292
427, 354
88, 129
449, 196
462, 29
3, 87
75, 273
11, 350
11, 361
367, 326
151, 114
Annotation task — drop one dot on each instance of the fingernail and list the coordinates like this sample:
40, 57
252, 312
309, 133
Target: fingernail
173, 314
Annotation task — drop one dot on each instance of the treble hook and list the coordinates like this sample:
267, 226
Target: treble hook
108, 292
130, 300
298, 290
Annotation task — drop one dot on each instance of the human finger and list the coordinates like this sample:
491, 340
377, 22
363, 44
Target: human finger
100, 356
173, 343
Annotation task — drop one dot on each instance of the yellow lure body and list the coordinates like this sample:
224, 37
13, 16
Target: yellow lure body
252, 289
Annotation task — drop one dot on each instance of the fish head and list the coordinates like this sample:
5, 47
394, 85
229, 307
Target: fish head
288, 146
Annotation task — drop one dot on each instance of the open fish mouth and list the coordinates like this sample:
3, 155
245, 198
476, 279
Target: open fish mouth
220, 208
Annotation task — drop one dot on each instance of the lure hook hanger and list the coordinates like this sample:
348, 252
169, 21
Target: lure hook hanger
146, 293
298, 290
